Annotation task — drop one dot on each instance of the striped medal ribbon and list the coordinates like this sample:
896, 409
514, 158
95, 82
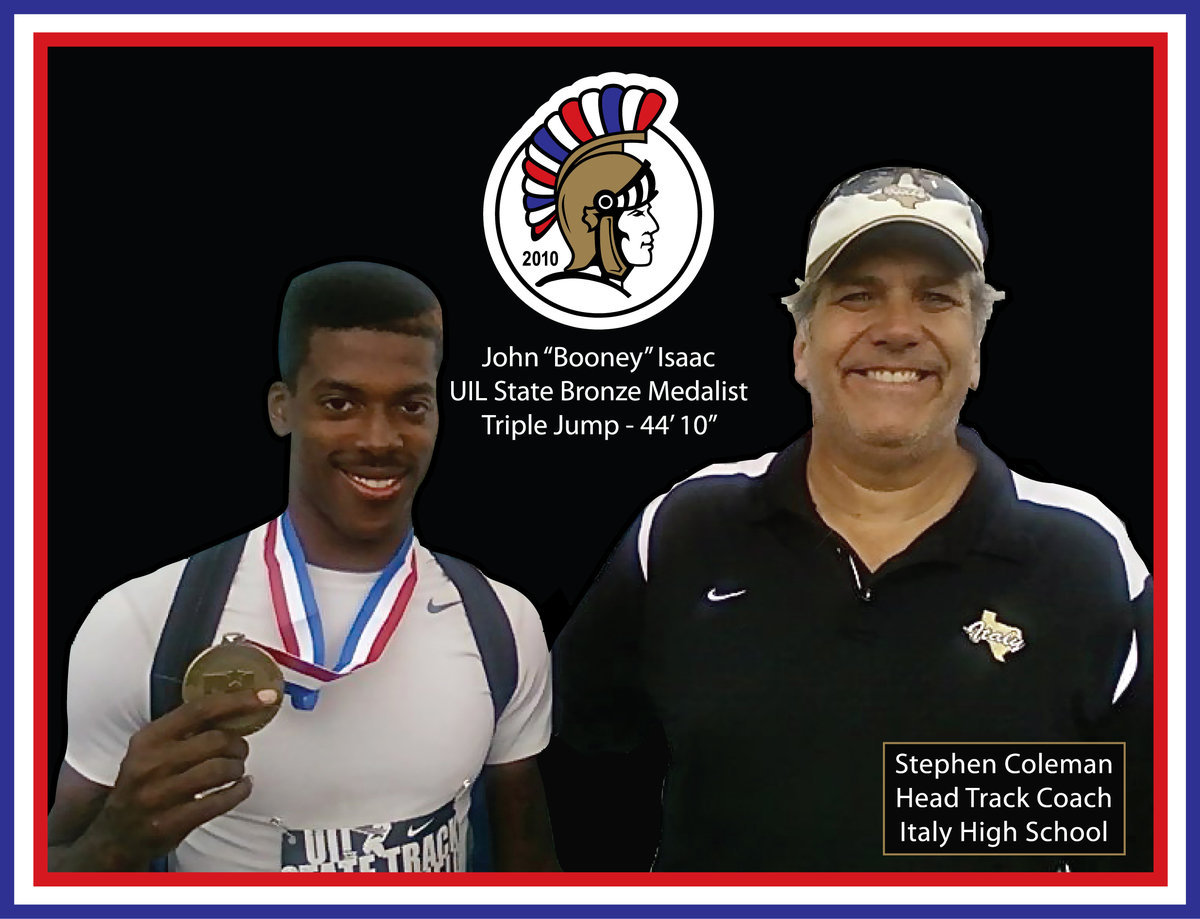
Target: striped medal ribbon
299, 619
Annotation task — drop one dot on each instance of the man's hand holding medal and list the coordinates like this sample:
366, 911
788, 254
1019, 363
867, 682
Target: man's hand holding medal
183, 769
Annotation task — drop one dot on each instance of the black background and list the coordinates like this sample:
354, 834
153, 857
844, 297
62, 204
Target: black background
187, 185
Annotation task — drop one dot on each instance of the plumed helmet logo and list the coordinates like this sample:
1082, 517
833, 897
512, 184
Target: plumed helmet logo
581, 226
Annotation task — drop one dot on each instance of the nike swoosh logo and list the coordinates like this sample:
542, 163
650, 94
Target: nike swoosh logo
717, 598
414, 830
438, 607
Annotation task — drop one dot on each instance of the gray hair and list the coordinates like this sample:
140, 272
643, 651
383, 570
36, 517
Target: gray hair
983, 298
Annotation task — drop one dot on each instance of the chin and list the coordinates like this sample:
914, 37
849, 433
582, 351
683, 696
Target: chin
371, 528
890, 440
894, 437
889, 433
881, 426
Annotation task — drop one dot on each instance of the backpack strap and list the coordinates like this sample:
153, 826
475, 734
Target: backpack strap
498, 651
190, 627
490, 626
192, 620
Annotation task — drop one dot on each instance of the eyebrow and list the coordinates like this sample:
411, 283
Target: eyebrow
870, 280
416, 389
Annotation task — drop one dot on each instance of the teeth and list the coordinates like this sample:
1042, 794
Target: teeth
893, 376
373, 483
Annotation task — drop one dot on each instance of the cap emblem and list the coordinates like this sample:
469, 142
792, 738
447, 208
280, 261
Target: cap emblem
907, 195
1001, 639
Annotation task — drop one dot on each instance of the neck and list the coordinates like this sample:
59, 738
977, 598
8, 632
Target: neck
325, 547
885, 485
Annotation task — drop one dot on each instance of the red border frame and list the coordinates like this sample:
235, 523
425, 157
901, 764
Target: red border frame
44, 41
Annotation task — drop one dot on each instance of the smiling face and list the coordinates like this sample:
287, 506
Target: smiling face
636, 228
363, 419
889, 351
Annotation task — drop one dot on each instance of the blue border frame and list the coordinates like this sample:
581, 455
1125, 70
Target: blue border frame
613, 7
969, 904
521, 911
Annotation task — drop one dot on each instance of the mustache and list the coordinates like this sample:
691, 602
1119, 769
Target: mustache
384, 460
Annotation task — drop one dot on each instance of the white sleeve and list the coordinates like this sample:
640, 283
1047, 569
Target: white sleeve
523, 729
108, 681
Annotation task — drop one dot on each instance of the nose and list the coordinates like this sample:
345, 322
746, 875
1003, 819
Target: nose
898, 325
653, 224
378, 430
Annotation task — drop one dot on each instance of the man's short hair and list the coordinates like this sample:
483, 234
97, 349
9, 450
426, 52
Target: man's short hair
354, 295
900, 237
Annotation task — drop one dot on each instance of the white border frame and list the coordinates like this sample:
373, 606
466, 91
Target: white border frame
345, 897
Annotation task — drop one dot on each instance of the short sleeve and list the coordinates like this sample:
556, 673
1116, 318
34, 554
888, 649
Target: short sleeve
600, 704
108, 679
523, 729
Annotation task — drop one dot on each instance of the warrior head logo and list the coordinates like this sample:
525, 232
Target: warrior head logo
590, 203
596, 192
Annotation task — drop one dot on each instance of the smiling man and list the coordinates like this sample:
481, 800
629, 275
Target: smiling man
407, 678
884, 578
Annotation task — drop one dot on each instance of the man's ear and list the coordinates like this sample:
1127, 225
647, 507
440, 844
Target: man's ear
976, 368
800, 354
279, 405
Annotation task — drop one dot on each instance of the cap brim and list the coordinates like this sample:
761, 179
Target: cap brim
829, 256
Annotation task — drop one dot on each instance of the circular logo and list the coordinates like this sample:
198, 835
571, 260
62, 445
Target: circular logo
598, 213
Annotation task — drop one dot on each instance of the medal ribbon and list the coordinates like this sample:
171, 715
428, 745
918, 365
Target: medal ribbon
299, 619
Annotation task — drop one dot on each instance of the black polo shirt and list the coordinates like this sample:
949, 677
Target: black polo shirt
776, 664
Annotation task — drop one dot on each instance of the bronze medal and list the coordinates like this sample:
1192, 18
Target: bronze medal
232, 666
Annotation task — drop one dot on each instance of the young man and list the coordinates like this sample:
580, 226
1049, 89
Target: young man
388, 721
885, 578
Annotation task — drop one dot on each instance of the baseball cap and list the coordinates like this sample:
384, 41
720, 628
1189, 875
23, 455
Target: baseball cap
893, 194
